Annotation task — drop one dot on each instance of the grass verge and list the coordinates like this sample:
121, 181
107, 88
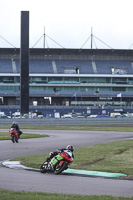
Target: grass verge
4, 195
111, 127
6, 136
114, 157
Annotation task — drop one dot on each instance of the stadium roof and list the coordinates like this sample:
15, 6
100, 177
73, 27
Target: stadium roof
59, 51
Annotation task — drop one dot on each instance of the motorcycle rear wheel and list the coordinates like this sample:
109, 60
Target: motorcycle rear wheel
43, 168
16, 139
61, 168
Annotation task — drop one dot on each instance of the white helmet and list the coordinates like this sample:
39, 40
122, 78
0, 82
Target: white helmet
14, 122
69, 147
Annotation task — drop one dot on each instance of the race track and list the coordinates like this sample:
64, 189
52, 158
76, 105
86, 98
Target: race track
23, 180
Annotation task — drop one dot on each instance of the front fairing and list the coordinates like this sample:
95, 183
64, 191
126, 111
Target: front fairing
13, 132
66, 156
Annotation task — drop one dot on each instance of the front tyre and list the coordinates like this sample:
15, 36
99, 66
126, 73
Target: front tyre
61, 168
13, 139
43, 168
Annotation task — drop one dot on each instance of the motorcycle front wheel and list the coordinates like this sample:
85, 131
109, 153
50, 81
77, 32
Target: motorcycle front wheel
61, 168
43, 168
13, 139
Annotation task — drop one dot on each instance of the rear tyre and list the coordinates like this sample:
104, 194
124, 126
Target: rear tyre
61, 168
16, 139
43, 168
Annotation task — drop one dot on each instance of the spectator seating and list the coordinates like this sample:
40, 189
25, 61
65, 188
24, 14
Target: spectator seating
105, 67
68, 66
6, 66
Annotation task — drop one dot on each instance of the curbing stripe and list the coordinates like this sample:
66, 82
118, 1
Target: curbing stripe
17, 165
93, 173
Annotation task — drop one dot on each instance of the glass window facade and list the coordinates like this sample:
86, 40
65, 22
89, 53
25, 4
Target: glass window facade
9, 79
83, 83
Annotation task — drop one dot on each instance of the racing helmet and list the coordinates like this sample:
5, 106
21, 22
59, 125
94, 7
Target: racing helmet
14, 122
69, 147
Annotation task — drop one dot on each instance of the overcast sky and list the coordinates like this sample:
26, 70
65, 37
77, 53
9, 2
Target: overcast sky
69, 23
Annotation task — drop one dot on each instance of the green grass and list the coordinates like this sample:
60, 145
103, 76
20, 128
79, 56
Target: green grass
114, 157
110, 157
6, 136
6, 195
113, 127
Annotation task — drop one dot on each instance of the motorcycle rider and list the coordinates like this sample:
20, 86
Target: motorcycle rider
15, 125
54, 153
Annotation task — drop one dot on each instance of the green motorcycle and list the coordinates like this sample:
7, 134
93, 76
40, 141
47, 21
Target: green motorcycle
58, 163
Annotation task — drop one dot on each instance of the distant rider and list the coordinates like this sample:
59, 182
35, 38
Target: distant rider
15, 125
54, 153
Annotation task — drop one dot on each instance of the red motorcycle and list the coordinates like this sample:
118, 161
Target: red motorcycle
14, 135
58, 163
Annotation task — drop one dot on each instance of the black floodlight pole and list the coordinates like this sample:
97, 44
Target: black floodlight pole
24, 63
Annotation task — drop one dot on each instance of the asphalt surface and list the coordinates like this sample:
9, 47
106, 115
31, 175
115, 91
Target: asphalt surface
24, 180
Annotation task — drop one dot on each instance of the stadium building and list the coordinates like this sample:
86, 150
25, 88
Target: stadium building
89, 80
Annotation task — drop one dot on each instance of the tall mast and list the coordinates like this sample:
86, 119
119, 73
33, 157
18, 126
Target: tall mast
44, 39
91, 38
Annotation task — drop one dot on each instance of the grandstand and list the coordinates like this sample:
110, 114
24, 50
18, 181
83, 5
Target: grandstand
69, 77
